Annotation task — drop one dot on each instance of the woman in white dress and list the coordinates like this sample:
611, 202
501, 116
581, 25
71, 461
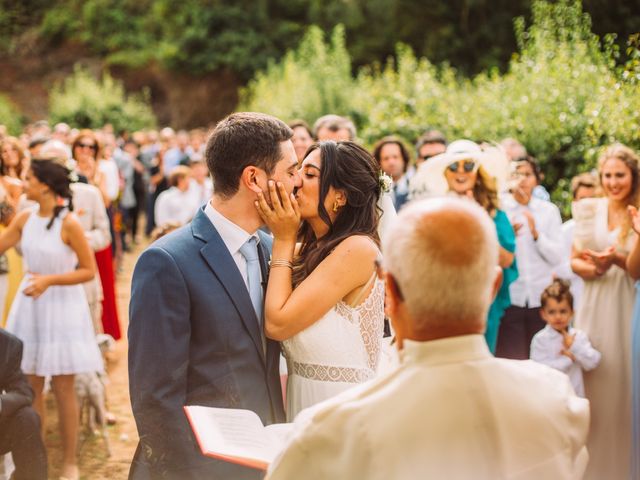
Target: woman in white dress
324, 301
603, 237
50, 313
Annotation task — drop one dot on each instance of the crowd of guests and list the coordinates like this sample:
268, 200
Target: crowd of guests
565, 295
537, 253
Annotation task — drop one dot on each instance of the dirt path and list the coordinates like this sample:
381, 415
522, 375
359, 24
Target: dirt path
123, 437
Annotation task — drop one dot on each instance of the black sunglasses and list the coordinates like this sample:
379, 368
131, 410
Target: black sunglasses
468, 166
87, 145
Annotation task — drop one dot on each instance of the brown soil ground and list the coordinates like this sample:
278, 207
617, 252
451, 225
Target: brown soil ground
93, 460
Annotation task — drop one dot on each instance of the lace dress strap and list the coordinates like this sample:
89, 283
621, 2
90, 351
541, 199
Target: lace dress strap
364, 291
372, 323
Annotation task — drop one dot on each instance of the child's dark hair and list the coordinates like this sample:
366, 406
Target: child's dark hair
55, 176
559, 290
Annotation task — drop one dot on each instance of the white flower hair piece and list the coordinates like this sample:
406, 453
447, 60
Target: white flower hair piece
72, 175
385, 182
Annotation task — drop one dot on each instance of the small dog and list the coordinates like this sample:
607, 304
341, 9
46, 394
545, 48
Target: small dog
90, 391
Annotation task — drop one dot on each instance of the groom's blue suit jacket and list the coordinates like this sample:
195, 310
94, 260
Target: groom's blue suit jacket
194, 339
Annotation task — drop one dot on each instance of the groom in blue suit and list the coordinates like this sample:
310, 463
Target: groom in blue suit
196, 334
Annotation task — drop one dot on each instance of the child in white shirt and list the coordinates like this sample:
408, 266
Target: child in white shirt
559, 345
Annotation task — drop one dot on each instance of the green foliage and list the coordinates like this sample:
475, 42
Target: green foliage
196, 36
314, 79
562, 95
85, 102
9, 116
189, 36
17, 17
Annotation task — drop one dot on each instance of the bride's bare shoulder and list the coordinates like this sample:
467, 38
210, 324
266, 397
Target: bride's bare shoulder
358, 245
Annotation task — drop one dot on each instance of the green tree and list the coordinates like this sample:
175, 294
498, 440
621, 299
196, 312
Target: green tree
85, 102
196, 36
562, 95
9, 116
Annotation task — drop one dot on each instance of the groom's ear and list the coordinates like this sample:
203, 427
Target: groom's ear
250, 179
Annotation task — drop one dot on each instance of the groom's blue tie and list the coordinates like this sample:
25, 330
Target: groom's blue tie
249, 251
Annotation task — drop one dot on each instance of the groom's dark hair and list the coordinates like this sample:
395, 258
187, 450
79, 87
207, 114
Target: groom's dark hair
241, 140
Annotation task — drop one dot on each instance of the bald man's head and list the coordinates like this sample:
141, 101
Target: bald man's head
442, 254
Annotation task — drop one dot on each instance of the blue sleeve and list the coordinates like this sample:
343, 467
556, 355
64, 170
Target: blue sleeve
506, 235
159, 336
507, 240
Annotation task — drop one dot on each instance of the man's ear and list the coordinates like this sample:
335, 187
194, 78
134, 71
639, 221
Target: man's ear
497, 283
393, 299
395, 310
249, 179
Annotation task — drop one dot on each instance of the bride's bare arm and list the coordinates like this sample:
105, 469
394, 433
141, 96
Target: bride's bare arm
289, 311
348, 267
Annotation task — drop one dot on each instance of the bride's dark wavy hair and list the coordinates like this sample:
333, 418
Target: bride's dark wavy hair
55, 176
348, 167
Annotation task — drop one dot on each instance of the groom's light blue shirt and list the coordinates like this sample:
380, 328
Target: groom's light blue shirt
233, 237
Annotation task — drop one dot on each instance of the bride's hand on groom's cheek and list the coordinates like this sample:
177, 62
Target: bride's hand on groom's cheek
282, 214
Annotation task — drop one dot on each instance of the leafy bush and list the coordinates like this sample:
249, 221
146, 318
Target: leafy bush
84, 102
314, 79
562, 95
9, 116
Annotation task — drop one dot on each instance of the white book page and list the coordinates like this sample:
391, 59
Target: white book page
279, 434
232, 432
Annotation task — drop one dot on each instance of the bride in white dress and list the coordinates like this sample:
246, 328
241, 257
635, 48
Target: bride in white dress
324, 301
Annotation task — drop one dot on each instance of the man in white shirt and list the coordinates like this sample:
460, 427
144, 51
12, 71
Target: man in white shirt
451, 410
393, 158
176, 205
582, 186
538, 227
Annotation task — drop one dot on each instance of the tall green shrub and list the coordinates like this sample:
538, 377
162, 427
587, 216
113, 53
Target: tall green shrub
562, 95
9, 116
308, 82
82, 101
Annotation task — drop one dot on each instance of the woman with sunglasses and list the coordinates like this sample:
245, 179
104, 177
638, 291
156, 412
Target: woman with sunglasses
86, 150
324, 301
86, 153
466, 170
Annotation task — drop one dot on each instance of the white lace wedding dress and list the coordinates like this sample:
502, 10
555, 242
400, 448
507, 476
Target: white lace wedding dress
340, 350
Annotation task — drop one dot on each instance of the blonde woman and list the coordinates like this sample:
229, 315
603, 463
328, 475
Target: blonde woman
602, 239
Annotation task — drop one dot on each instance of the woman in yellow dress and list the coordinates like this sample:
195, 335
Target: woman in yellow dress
12, 169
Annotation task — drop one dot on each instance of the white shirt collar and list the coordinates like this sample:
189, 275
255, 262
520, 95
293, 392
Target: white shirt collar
232, 235
445, 350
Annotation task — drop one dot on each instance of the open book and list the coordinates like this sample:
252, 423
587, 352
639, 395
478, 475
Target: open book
237, 436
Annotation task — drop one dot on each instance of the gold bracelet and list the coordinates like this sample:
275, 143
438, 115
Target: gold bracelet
281, 263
